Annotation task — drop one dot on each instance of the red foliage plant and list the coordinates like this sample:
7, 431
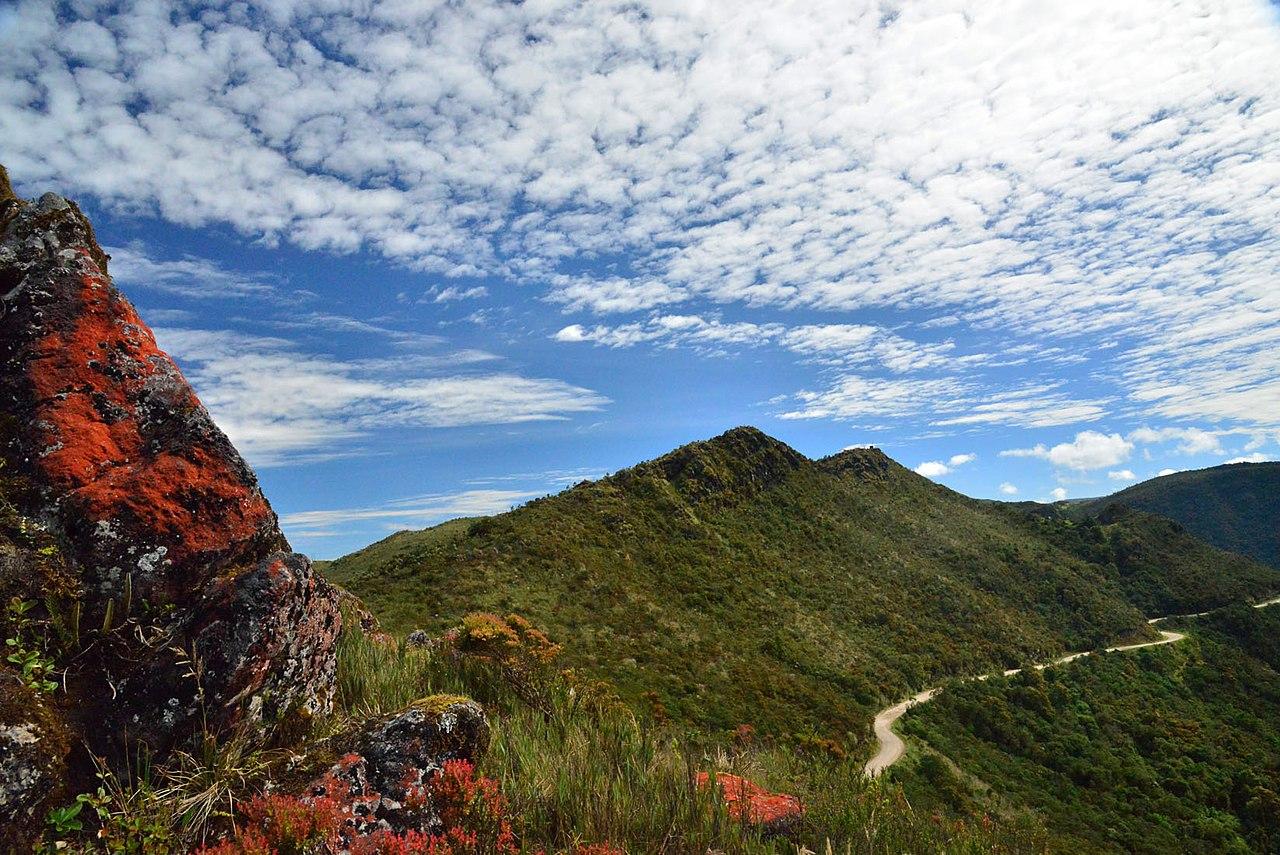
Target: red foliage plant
472, 812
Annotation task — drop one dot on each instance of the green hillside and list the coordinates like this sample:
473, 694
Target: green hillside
1161, 568
739, 582
1171, 749
1235, 507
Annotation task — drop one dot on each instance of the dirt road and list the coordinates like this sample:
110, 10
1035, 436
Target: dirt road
892, 747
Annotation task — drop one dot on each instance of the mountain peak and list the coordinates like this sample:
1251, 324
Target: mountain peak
868, 462
735, 465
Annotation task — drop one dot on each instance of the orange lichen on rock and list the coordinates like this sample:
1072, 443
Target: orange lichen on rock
160, 523
90, 382
106, 425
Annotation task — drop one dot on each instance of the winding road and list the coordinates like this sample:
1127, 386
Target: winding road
892, 749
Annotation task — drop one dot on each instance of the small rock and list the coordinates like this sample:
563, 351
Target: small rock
382, 781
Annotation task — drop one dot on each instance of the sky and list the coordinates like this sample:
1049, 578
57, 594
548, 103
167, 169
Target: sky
423, 260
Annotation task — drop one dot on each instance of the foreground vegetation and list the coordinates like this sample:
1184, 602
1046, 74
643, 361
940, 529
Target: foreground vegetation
1171, 749
569, 769
735, 582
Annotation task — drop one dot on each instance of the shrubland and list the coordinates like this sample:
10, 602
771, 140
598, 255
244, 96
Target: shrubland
569, 769
1168, 749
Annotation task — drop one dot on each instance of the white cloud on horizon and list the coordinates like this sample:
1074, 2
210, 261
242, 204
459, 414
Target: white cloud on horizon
1008, 489
1089, 450
1255, 457
414, 512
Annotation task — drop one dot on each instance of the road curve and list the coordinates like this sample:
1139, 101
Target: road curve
892, 747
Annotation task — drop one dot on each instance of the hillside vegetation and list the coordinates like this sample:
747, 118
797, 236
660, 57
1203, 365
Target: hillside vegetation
1160, 566
1171, 749
735, 581
1233, 507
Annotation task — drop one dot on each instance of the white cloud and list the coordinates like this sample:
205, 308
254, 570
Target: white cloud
1089, 450
1008, 489
189, 276
1050, 170
840, 345
944, 401
414, 512
1059, 493
279, 405
1030, 406
932, 469
437, 294
854, 397
1256, 457
1191, 440
1164, 472
936, 468
1122, 475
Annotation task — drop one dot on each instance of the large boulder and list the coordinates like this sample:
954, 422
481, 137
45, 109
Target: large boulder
178, 563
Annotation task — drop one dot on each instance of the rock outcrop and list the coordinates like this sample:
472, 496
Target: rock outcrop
383, 783
177, 566
34, 745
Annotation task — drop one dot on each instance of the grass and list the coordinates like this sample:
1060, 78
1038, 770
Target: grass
591, 772
736, 582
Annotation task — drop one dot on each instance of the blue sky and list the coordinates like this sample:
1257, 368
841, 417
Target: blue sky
423, 260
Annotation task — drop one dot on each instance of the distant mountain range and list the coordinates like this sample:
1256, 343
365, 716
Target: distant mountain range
737, 581
1234, 507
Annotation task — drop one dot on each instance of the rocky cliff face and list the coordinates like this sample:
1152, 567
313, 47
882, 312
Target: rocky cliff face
132, 519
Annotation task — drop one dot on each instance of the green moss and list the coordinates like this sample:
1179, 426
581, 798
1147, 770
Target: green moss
6, 189
438, 704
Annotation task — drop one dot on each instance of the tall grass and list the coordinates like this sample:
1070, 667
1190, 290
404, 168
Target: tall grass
592, 773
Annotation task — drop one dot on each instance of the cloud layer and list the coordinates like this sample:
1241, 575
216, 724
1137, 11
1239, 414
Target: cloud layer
1041, 172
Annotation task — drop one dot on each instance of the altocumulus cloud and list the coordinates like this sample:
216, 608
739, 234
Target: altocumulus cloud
1047, 170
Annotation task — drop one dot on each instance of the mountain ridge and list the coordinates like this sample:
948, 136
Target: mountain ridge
734, 580
1233, 506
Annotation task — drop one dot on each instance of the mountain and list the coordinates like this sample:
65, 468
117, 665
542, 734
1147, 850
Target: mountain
175, 680
1234, 507
1161, 567
736, 581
